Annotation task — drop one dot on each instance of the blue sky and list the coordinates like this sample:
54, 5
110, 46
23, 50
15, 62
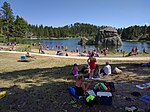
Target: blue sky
116, 13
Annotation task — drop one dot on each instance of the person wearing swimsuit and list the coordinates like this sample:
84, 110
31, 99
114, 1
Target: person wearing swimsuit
81, 88
91, 61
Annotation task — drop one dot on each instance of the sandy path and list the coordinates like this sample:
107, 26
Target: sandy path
79, 57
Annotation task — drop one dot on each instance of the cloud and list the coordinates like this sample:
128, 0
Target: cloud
147, 24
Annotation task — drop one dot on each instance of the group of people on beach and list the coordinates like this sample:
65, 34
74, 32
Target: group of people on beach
92, 70
135, 51
63, 50
12, 45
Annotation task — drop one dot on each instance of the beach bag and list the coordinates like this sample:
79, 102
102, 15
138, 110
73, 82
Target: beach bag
90, 100
100, 87
110, 86
22, 57
117, 71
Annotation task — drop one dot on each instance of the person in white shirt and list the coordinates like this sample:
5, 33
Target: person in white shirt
106, 70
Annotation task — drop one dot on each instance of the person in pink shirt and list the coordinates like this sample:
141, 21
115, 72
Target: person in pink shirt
75, 70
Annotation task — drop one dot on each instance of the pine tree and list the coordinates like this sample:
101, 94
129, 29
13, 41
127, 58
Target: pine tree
7, 17
21, 27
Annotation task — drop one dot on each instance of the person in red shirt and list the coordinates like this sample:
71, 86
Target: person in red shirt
89, 52
92, 63
133, 50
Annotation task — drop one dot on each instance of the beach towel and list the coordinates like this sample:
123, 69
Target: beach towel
145, 98
145, 86
146, 65
2, 94
72, 92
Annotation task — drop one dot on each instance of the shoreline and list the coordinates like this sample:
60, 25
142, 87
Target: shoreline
113, 58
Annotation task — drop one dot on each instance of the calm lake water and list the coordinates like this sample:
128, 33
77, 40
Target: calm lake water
73, 43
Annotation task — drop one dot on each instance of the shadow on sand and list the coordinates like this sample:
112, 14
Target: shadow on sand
45, 90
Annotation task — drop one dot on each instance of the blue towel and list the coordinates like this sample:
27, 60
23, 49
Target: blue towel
145, 98
22, 57
73, 92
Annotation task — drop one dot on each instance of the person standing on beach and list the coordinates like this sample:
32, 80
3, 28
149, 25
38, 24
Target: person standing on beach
136, 51
77, 49
132, 50
66, 48
144, 50
91, 61
40, 48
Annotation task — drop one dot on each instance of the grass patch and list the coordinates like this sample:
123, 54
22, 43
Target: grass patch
41, 84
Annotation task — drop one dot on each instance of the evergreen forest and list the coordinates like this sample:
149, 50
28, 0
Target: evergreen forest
16, 26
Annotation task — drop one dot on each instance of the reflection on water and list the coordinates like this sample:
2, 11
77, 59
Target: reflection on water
73, 44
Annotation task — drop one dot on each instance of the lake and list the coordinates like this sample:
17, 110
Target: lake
73, 43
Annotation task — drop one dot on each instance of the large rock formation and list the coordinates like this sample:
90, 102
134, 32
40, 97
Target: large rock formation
105, 37
108, 36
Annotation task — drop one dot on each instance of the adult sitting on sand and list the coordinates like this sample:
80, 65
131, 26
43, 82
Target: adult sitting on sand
85, 69
129, 54
59, 52
66, 54
28, 55
83, 54
106, 70
1, 48
80, 87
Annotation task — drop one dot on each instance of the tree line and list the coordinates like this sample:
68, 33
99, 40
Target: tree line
73, 30
17, 26
135, 33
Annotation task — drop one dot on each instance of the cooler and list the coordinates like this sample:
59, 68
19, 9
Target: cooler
104, 98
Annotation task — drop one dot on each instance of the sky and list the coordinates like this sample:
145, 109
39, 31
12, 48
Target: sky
58, 13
